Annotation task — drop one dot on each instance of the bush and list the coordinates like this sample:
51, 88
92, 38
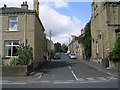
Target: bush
115, 54
25, 55
14, 61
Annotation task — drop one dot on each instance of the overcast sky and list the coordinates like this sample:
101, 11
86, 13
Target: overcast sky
63, 17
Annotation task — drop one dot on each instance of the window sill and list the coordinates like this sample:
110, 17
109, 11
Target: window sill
8, 57
5, 57
12, 31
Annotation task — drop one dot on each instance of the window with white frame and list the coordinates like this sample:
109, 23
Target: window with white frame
11, 48
13, 23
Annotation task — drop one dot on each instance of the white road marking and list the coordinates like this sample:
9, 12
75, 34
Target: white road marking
13, 83
70, 80
62, 82
5, 81
93, 81
74, 75
44, 81
69, 67
81, 79
39, 77
109, 74
111, 78
90, 79
101, 78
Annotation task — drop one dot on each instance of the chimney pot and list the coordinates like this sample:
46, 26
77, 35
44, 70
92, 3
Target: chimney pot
25, 2
24, 5
5, 5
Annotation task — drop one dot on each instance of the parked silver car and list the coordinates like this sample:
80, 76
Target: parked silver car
72, 56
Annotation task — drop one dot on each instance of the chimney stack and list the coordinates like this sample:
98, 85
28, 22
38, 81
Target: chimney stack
36, 6
24, 5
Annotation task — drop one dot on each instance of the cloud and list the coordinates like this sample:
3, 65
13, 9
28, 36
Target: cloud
60, 4
62, 26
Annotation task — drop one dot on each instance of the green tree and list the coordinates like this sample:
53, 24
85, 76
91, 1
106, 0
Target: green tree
57, 47
85, 40
115, 54
25, 55
64, 48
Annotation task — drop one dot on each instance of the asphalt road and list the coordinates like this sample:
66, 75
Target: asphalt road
68, 73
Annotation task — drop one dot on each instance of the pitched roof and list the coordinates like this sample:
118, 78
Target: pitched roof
4, 10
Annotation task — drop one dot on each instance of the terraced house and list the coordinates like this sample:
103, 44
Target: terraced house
19, 25
105, 26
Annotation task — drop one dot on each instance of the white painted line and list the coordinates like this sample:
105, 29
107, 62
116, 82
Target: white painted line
109, 74
69, 67
13, 83
58, 80
44, 81
62, 82
90, 79
101, 78
74, 75
81, 79
39, 77
5, 81
111, 78
93, 81
70, 80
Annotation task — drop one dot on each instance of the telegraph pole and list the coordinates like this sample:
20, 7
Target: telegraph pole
50, 45
50, 35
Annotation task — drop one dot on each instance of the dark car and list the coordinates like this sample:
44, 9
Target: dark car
57, 56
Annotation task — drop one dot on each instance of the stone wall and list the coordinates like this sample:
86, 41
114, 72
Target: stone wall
16, 70
114, 66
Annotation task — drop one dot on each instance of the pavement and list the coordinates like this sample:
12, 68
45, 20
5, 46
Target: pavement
36, 75
99, 67
33, 76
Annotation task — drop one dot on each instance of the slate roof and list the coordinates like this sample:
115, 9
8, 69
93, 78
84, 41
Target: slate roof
5, 10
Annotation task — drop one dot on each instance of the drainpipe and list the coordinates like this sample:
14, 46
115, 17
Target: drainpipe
25, 28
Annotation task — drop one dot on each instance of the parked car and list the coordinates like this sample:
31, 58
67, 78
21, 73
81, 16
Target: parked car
72, 56
57, 56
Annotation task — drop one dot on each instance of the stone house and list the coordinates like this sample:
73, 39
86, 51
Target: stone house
77, 47
105, 26
19, 25
50, 48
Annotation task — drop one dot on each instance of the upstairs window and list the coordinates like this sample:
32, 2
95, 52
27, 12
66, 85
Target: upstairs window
13, 23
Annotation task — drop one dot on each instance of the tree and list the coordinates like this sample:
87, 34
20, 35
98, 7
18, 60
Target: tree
86, 40
25, 55
64, 48
115, 54
57, 47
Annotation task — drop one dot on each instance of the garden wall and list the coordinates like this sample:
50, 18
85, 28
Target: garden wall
16, 70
